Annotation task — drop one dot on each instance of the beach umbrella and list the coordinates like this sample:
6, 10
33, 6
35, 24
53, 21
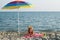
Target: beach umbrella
17, 4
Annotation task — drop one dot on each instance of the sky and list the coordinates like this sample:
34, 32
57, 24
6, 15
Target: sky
37, 5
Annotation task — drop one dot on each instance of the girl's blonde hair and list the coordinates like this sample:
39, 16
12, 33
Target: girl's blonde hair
30, 27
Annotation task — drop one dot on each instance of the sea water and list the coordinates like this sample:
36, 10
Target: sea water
39, 20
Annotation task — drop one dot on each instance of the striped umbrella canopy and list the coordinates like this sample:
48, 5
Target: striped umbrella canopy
17, 4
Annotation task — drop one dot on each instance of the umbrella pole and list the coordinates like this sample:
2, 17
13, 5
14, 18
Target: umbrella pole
18, 22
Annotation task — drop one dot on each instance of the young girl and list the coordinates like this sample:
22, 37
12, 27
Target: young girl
31, 33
